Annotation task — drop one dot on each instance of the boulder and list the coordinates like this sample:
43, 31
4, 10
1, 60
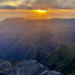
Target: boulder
4, 67
31, 67
47, 72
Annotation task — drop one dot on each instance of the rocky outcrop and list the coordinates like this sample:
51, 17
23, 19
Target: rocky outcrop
27, 68
31, 67
4, 67
50, 73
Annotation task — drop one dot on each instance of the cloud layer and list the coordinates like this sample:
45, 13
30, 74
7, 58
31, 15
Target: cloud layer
39, 4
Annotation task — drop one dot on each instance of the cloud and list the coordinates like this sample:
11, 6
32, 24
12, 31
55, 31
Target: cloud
6, 0
41, 4
8, 7
61, 4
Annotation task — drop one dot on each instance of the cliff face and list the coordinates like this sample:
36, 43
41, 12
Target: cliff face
30, 67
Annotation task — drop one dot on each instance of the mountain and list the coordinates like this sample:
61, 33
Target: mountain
20, 37
12, 20
38, 55
62, 59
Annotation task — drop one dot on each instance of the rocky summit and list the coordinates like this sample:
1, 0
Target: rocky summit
4, 67
30, 67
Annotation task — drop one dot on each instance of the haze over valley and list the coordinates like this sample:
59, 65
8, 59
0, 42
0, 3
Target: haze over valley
19, 37
37, 37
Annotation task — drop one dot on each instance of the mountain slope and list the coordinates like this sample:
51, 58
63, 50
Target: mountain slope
61, 59
20, 37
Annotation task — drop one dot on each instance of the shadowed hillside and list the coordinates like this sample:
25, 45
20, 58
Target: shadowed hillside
61, 59
20, 37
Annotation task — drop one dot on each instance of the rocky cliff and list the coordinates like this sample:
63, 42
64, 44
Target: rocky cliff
30, 67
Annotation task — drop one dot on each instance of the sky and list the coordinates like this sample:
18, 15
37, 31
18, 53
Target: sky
28, 9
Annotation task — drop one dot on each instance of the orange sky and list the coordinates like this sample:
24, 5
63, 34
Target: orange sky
35, 14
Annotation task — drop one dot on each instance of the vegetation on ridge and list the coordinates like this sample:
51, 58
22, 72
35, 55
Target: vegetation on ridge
61, 59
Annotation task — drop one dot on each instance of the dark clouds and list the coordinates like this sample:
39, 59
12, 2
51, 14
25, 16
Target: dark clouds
8, 7
63, 4
40, 4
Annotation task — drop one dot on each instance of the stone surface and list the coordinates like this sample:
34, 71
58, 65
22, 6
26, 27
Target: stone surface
31, 67
4, 67
47, 72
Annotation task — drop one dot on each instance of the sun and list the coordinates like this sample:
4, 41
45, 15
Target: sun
41, 11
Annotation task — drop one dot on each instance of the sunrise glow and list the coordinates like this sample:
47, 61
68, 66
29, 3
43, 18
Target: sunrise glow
41, 11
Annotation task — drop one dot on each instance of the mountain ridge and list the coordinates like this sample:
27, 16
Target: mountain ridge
21, 38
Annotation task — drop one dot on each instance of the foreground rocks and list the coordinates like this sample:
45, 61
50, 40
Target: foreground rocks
30, 67
4, 67
50, 73
27, 68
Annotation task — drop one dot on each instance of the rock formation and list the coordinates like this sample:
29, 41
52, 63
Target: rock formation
4, 67
31, 67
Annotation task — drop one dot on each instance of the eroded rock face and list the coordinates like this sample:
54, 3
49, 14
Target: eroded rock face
4, 67
31, 67
47, 72
27, 68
